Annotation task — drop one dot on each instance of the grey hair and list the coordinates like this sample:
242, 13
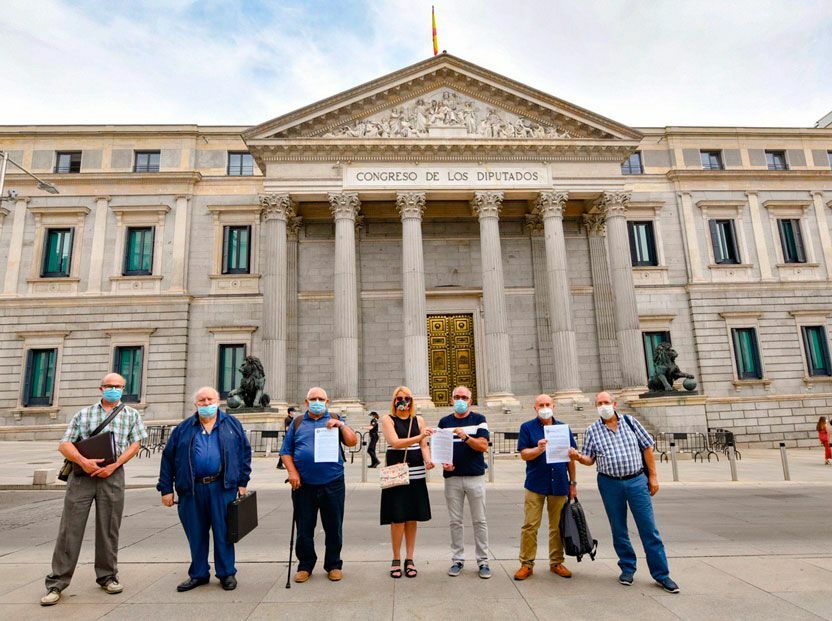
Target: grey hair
308, 392
211, 388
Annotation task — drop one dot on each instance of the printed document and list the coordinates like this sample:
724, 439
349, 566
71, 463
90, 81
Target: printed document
326, 445
557, 443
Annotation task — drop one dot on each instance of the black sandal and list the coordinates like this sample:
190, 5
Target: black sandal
409, 568
396, 572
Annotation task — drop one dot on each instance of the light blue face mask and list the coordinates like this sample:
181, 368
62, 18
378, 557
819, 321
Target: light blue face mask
317, 407
112, 395
460, 406
207, 411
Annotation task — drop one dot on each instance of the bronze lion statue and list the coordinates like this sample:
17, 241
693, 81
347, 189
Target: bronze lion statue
250, 390
665, 370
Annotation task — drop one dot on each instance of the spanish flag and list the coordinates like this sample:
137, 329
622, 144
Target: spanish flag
435, 40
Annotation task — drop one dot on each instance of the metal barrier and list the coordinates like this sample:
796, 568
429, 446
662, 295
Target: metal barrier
685, 442
721, 439
157, 438
265, 441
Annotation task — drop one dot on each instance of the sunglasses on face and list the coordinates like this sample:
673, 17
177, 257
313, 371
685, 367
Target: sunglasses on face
403, 400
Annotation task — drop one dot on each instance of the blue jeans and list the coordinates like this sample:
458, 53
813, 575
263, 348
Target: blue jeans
616, 495
207, 508
308, 500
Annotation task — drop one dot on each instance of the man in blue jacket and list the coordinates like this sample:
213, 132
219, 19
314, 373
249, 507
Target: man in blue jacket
208, 461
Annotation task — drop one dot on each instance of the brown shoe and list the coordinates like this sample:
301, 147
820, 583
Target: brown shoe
335, 575
560, 569
524, 572
302, 576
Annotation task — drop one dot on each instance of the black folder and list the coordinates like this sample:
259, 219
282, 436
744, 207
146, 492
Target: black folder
99, 446
242, 516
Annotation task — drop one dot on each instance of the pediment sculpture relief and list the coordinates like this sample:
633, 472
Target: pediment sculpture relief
446, 114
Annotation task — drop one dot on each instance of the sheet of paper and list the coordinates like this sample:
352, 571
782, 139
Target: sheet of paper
326, 445
442, 446
557, 443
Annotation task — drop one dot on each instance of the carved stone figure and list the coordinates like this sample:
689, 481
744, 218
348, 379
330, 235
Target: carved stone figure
666, 372
250, 390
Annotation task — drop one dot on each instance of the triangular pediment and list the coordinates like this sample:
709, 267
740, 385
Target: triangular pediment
444, 98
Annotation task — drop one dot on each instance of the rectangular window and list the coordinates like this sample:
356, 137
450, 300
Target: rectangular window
39, 383
240, 164
829, 155
147, 161
776, 160
724, 241
128, 363
57, 254
230, 359
68, 162
632, 165
651, 341
711, 160
236, 246
747, 353
817, 350
138, 251
642, 243
791, 240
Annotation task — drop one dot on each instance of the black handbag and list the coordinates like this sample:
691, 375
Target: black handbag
242, 516
70, 466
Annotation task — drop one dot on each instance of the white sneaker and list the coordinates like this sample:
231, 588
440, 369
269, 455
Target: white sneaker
112, 587
51, 598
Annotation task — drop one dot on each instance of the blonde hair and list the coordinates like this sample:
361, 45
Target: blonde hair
406, 392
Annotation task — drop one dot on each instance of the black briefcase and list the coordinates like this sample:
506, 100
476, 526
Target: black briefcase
242, 516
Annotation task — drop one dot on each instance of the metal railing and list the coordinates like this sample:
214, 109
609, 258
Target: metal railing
694, 443
157, 438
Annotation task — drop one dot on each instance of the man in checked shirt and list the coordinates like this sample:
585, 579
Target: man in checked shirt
90, 482
623, 451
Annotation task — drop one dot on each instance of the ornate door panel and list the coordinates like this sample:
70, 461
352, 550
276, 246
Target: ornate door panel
451, 356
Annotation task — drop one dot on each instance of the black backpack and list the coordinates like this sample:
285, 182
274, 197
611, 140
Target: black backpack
574, 531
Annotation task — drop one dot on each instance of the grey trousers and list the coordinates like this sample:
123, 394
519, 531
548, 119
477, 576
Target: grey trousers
81, 491
457, 489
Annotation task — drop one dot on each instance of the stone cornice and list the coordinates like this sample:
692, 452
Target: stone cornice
750, 174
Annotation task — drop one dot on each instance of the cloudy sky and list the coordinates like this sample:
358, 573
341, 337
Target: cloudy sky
643, 63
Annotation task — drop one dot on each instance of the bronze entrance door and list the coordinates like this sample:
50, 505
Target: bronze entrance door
451, 356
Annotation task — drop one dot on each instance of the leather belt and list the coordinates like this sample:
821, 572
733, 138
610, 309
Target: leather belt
206, 480
625, 478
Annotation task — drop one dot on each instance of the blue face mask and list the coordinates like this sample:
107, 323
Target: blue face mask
317, 407
460, 406
112, 395
207, 411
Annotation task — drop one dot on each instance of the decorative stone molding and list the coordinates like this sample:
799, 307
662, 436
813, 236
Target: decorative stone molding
293, 226
41, 339
128, 337
237, 215
534, 224
487, 204
595, 223
277, 206
344, 205
134, 216
614, 203
551, 204
57, 217
411, 205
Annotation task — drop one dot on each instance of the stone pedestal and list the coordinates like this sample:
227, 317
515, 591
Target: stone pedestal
678, 413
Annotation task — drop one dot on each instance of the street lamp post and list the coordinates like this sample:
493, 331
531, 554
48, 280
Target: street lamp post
42, 185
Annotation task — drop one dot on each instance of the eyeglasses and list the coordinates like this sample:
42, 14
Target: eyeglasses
311, 399
462, 397
112, 386
403, 399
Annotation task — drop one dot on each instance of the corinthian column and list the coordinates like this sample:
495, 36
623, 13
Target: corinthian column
564, 348
345, 207
486, 206
293, 226
411, 206
277, 209
627, 329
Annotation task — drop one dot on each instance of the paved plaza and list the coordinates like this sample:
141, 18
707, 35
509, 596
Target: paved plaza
757, 548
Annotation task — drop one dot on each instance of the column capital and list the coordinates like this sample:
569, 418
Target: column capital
534, 224
551, 203
293, 225
344, 205
814, 193
277, 206
411, 205
487, 204
614, 204
102, 197
596, 223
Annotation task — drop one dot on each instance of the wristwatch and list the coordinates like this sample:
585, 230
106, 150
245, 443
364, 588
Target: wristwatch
573, 482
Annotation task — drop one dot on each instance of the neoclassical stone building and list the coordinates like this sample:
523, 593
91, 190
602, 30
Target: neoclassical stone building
439, 225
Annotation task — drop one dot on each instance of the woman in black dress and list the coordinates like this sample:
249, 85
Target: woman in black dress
402, 507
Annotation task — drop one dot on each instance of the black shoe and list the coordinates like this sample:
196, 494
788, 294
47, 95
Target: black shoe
229, 583
191, 583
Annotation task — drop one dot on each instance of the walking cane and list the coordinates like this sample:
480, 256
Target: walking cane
291, 543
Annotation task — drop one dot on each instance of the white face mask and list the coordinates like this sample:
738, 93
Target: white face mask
545, 413
606, 411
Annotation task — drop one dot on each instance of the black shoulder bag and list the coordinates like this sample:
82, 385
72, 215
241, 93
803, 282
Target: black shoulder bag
69, 465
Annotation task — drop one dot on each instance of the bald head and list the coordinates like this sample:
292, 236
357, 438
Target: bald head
316, 392
544, 402
113, 380
604, 398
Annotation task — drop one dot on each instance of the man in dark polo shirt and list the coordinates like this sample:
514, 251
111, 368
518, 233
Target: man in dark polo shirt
466, 478
548, 484
316, 486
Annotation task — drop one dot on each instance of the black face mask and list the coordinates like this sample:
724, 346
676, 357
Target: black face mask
402, 404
